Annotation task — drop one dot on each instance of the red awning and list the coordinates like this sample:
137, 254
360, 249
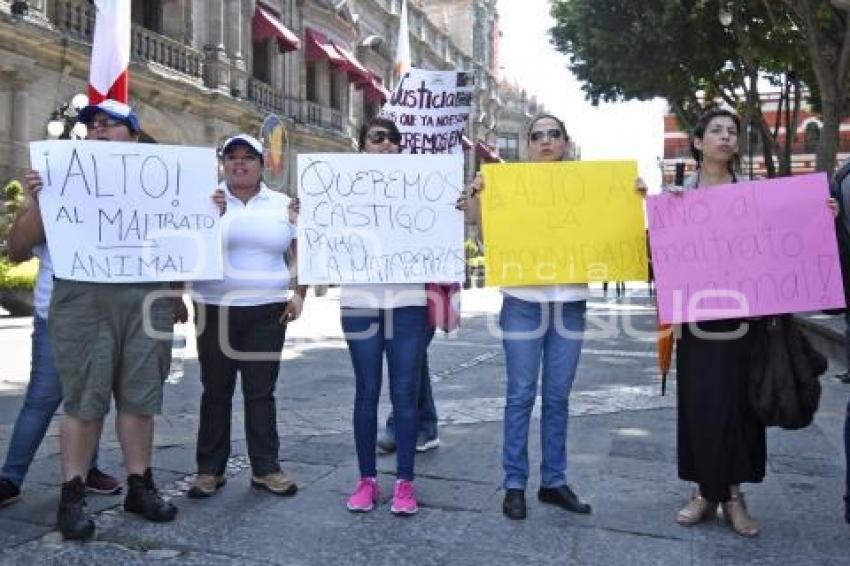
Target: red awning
466, 143
318, 47
266, 25
487, 153
374, 90
355, 69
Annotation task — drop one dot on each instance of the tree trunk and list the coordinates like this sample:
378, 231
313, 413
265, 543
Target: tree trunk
828, 147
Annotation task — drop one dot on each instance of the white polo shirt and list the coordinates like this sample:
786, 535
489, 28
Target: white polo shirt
383, 296
43, 282
549, 293
255, 236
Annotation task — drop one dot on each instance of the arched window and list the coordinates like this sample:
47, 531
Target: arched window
812, 137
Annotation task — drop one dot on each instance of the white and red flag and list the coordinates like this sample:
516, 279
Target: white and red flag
401, 63
110, 54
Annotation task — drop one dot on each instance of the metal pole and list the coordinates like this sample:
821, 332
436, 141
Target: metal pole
750, 146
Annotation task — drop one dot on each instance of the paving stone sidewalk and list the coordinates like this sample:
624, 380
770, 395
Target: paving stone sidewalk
621, 455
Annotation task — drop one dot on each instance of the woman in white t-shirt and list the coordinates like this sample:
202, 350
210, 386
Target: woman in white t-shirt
384, 319
541, 325
241, 322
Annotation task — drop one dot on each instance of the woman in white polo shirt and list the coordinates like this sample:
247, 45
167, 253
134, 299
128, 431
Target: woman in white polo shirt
241, 322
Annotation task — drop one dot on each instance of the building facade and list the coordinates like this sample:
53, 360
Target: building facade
202, 70
677, 144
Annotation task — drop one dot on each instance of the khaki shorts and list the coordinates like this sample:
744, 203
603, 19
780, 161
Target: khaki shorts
102, 345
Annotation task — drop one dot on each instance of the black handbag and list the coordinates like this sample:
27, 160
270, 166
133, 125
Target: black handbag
784, 389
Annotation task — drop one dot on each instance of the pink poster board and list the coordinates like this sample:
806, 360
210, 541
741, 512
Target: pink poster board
746, 249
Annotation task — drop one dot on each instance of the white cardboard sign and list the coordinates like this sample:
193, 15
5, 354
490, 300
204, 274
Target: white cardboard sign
431, 109
368, 218
123, 212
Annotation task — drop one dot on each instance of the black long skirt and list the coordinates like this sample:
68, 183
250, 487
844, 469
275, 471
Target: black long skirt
720, 440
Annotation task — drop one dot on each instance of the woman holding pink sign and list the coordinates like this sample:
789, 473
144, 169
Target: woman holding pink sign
721, 443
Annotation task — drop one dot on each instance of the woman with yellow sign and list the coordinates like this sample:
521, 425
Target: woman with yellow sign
541, 324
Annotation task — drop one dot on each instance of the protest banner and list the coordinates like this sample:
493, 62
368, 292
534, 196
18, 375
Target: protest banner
129, 212
369, 218
431, 109
563, 222
747, 249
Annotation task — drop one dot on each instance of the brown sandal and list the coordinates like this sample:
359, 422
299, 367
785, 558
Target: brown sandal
696, 511
735, 512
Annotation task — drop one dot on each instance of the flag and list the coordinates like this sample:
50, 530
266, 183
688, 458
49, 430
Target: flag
110, 54
402, 49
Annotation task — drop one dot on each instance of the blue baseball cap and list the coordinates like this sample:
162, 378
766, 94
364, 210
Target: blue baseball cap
115, 110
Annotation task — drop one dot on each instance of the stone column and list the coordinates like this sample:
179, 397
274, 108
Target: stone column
217, 65
234, 37
19, 122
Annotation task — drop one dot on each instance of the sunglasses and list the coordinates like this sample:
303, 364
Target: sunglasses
380, 136
104, 123
553, 134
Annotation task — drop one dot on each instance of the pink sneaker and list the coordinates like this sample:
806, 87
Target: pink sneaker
365, 496
404, 498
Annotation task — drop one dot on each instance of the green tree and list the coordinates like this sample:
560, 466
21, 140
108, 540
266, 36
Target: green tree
680, 51
826, 27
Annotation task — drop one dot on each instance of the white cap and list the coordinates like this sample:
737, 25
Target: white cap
243, 139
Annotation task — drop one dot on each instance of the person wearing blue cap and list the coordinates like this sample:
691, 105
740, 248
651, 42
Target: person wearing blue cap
101, 350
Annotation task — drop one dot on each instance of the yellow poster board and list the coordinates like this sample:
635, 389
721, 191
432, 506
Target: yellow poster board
563, 222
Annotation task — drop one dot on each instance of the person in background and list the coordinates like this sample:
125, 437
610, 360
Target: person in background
44, 391
241, 322
840, 191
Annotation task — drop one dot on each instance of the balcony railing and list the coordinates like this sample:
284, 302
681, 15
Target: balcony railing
267, 98
313, 113
323, 116
153, 47
76, 18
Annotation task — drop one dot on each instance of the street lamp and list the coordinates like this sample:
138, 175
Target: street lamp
63, 122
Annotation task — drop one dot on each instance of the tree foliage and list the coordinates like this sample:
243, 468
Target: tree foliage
680, 51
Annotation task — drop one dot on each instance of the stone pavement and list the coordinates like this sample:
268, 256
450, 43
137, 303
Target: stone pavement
621, 453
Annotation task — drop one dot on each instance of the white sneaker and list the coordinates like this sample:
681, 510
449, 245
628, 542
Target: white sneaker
425, 444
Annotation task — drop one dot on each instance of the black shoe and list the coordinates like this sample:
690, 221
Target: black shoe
143, 499
71, 519
514, 504
9, 492
564, 497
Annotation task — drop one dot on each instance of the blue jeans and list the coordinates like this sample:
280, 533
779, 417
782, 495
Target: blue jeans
847, 459
402, 334
847, 339
44, 394
551, 332
425, 403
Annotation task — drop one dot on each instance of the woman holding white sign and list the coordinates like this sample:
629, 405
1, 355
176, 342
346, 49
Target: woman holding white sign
241, 322
541, 325
386, 319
